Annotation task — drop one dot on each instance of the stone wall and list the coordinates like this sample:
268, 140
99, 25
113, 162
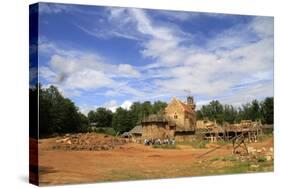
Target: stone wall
157, 130
183, 119
176, 113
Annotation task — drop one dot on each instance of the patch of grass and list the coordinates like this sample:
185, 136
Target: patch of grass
201, 144
121, 175
261, 159
195, 144
245, 167
267, 136
185, 170
166, 146
105, 130
229, 158
215, 159
223, 142
233, 167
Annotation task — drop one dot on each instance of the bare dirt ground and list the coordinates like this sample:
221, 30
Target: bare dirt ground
135, 161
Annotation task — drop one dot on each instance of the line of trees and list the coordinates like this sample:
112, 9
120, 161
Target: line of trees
59, 115
123, 120
255, 111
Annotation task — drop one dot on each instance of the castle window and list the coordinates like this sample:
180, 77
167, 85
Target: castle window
175, 116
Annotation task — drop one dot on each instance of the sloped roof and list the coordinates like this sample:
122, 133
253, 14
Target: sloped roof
184, 106
154, 118
125, 134
136, 130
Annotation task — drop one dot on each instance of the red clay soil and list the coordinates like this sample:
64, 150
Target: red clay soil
125, 162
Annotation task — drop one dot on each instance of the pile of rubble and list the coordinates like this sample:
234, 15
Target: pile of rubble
257, 154
88, 141
267, 153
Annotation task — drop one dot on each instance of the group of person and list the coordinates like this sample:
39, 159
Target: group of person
158, 141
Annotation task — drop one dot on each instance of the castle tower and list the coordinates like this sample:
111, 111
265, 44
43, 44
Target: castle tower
190, 102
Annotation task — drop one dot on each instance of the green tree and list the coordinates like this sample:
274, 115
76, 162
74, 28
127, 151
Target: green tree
146, 108
213, 111
158, 107
229, 113
92, 116
268, 110
58, 114
122, 120
199, 115
136, 113
101, 116
255, 112
250, 111
84, 123
245, 111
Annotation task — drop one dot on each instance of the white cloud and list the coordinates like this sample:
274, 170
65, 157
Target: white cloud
241, 54
177, 15
256, 91
126, 104
55, 8
85, 108
87, 79
72, 69
127, 70
263, 26
233, 64
112, 105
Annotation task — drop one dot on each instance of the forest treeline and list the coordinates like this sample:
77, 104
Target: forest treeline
59, 115
255, 111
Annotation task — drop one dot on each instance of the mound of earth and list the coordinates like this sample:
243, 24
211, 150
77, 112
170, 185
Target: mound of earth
87, 141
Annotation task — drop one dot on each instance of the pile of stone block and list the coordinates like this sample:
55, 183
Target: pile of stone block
88, 141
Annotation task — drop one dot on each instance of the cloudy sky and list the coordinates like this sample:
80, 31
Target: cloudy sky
106, 56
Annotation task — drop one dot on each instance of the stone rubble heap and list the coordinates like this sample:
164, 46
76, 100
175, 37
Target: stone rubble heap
87, 141
257, 154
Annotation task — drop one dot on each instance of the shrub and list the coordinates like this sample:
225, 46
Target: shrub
261, 159
215, 159
106, 130
201, 144
229, 158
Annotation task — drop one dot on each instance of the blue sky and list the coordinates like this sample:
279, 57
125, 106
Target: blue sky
111, 57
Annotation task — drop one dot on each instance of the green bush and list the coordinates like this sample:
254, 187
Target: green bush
201, 144
215, 159
261, 159
106, 130
229, 158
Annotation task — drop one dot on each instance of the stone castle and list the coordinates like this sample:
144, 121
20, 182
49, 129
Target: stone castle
177, 121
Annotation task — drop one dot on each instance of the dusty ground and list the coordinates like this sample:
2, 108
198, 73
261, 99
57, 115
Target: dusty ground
135, 161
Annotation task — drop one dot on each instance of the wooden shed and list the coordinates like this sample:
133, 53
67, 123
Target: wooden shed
157, 126
136, 133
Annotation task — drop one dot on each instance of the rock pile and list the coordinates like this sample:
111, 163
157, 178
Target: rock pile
88, 141
259, 154
267, 153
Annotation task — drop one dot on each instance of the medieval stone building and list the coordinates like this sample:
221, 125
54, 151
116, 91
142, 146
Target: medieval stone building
178, 121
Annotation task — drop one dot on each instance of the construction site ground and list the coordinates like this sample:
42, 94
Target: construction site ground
131, 161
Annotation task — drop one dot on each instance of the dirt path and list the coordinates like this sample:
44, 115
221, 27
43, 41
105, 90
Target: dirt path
126, 162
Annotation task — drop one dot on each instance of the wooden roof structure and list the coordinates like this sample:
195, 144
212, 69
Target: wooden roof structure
136, 130
154, 118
